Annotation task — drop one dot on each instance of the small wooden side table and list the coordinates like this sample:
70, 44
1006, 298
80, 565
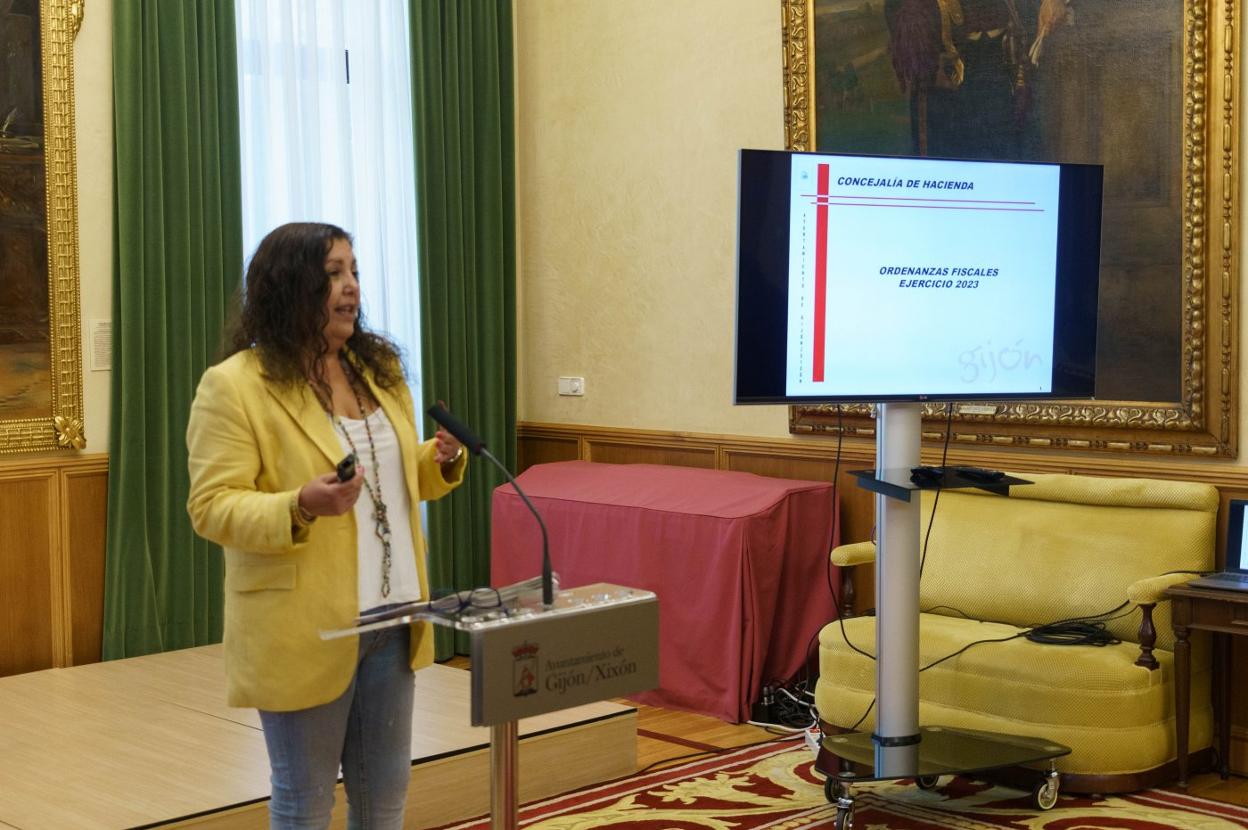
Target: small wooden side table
1226, 614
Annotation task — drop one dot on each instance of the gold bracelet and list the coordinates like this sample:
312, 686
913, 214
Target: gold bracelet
299, 518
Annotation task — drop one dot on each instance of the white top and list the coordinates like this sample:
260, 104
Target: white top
404, 583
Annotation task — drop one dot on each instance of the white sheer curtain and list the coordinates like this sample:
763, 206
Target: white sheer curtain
317, 148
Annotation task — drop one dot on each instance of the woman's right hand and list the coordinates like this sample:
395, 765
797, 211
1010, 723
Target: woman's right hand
327, 496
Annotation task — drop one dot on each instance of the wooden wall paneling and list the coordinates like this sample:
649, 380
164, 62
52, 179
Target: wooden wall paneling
29, 573
856, 503
609, 451
84, 507
544, 450
783, 465
52, 517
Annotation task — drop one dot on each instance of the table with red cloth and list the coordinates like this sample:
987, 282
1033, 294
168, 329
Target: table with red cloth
738, 561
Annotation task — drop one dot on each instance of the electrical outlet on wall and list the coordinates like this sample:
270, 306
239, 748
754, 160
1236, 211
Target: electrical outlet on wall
571, 386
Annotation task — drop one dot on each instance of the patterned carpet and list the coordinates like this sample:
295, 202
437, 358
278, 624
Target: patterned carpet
773, 786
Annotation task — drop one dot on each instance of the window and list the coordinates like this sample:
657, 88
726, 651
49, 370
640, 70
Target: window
326, 111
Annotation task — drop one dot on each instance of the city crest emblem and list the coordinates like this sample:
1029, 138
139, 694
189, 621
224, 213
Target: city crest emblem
524, 670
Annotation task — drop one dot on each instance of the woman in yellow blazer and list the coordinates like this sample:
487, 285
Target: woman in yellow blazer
305, 384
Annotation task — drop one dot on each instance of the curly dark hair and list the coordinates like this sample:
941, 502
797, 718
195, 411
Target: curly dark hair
283, 314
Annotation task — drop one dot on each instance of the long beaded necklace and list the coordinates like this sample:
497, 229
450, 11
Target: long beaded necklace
381, 517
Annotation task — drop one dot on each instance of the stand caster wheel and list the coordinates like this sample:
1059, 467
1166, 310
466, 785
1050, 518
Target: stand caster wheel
1044, 794
833, 790
927, 782
844, 819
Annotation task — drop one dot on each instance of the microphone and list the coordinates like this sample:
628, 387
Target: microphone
477, 447
459, 429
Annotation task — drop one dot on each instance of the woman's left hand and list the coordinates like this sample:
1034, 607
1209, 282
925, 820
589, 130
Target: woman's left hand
446, 447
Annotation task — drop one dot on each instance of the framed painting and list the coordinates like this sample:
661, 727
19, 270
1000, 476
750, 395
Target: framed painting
1150, 91
40, 326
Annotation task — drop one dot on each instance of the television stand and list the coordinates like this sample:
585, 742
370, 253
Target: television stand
899, 747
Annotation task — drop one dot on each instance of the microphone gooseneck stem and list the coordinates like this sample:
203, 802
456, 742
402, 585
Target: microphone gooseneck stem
548, 588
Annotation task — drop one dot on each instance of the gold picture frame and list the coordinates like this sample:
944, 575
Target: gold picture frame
1202, 420
41, 359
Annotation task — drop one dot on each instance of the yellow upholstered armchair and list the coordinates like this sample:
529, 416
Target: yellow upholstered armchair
1062, 548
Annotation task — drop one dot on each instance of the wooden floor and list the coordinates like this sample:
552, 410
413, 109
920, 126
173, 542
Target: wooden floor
108, 746
1209, 785
149, 742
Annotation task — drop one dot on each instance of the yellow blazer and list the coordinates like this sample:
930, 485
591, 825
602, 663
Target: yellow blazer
252, 445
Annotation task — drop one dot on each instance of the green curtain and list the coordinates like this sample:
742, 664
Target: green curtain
465, 182
177, 262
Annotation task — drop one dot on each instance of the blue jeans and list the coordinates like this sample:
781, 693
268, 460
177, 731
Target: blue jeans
367, 730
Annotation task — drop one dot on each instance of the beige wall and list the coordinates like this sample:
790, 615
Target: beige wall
93, 102
630, 115
629, 118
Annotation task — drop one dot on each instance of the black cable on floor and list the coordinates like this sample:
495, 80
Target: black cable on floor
711, 753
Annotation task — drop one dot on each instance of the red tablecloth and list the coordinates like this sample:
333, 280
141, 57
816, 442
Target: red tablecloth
738, 561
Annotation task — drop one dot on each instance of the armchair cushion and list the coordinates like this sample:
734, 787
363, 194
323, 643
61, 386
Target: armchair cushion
1152, 590
1117, 717
1064, 547
858, 553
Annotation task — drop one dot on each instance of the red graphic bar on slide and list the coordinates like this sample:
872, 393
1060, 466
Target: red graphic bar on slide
821, 271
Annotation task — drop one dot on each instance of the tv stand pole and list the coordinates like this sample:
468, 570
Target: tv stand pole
899, 747
898, 432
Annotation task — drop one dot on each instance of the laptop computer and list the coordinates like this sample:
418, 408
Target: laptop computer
1234, 576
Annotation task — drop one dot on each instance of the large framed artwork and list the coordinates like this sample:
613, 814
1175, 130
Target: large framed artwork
40, 327
1147, 89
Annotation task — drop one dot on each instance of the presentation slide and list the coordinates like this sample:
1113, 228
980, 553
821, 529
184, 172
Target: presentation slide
1242, 554
944, 272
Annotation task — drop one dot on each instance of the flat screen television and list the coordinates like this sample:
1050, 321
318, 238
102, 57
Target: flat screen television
876, 279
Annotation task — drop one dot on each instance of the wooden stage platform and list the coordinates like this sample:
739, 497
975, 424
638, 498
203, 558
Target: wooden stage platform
149, 742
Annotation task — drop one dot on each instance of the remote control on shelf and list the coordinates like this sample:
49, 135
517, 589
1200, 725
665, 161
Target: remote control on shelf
927, 475
980, 474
